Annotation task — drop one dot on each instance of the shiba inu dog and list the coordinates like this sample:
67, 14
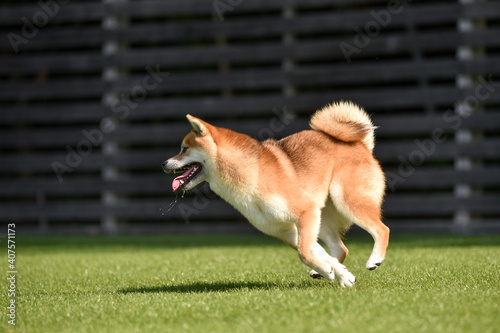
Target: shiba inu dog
309, 186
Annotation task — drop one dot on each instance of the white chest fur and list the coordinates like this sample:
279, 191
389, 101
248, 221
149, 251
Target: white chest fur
268, 213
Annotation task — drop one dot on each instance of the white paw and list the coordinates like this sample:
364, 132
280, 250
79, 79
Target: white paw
345, 278
374, 262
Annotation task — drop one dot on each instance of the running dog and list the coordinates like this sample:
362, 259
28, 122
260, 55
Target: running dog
309, 186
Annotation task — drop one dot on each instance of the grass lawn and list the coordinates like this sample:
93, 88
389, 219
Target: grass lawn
251, 283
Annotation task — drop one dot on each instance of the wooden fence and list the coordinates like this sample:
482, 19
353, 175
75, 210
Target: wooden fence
93, 96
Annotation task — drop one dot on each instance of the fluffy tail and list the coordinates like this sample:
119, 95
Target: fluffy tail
345, 121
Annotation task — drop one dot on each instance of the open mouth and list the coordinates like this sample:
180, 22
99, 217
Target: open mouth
189, 173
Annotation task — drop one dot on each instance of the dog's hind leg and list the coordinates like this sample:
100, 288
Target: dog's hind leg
337, 250
365, 211
314, 255
332, 224
380, 234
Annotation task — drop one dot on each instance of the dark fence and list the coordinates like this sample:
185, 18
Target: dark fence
93, 97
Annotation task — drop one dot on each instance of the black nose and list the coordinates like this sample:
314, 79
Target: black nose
164, 164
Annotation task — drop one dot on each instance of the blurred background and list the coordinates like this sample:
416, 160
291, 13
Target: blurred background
93, 97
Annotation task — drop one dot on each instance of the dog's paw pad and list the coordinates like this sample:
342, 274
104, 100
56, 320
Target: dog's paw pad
374, 266
374, 262
315, 275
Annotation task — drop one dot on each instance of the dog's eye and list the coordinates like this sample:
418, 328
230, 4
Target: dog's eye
184, 149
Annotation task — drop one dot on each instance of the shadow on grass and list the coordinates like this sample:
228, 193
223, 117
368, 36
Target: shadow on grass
207, 287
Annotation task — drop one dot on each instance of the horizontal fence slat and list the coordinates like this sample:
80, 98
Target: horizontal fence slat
323, 75
396, 151
83, 211
57, 63
63, 113
254, 27
308, 76
67, 88
432, 179
88, 185
151, 9
264, 52
72, 12
448, 122
429, 205
305, 51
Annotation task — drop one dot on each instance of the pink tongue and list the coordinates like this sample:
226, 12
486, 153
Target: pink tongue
177, 181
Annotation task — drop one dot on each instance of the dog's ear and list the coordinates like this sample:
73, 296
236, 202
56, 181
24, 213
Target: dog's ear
198, 127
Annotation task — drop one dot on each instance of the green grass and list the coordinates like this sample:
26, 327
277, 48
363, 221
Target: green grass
251, 284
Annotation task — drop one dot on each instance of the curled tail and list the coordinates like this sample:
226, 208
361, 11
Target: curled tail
345, 121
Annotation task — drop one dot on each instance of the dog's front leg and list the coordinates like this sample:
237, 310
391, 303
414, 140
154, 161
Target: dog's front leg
314, 255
